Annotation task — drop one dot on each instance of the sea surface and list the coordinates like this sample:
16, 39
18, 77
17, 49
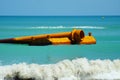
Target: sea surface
60, 62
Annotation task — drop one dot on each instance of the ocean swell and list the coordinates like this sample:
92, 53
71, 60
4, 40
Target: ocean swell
67, 27
54, 27
77, 69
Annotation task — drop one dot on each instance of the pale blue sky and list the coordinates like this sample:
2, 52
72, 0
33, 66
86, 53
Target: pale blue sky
59, 7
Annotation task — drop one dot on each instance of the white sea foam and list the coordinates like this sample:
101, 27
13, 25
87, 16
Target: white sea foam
77, 69
57, 27
63, 27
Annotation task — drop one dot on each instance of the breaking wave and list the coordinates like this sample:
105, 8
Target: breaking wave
63, 27
77, 69
55, 27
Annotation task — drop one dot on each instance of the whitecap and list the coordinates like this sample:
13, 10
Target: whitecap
67, 27
77, 69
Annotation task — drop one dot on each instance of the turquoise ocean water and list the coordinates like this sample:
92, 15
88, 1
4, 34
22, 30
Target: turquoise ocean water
106, 30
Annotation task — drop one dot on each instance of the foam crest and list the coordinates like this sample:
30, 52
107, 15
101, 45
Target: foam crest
77, 69
64, 27
55, 27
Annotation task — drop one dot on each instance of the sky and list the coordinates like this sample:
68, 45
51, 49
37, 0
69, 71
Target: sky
59, 7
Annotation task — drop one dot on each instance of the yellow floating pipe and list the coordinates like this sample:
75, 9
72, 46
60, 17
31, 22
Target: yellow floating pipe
74, 37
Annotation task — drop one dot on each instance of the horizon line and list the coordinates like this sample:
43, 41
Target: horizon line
56, 15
